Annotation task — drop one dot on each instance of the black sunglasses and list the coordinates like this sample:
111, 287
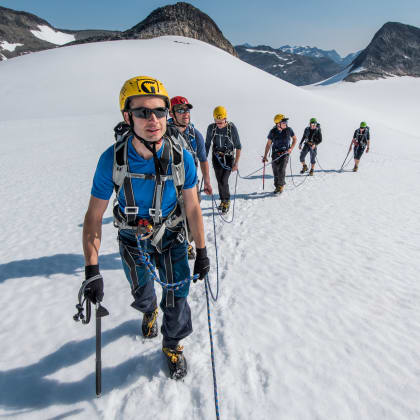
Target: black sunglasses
146, 113
182, 110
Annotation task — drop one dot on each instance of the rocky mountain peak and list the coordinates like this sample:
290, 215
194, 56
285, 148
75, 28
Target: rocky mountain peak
181, 19
393, 51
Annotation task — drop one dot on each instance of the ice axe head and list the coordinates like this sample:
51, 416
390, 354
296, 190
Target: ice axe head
101, 311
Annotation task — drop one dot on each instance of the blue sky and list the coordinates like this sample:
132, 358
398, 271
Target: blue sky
343, 25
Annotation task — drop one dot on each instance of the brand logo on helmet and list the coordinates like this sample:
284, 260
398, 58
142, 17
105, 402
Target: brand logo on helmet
149, 86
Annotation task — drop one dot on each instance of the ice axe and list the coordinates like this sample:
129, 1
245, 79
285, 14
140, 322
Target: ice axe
100, 312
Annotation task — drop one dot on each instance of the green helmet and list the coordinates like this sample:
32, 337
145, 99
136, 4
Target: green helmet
312, 121
363, 124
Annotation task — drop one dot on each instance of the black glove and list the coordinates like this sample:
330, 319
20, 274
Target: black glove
202, 263
94, 291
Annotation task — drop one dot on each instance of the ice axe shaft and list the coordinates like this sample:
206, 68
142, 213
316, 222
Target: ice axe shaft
100, 312
263, 175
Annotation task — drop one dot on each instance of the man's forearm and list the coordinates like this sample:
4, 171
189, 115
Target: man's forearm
237, 156
205, 171
92, 233
195, 222
293, 143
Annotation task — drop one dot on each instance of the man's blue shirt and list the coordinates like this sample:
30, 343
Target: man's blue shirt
143, 189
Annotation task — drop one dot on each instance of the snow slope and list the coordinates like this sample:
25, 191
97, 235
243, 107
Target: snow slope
392, 101
318, 315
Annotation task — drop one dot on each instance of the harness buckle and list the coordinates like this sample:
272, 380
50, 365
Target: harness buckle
152, 213
131, 210
180, 237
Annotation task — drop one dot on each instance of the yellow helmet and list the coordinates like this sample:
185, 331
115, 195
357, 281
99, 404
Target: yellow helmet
142, 86
278, 118
219, 113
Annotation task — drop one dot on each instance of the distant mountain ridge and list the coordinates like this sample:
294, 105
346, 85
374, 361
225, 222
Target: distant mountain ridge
299, 69
393, 51
318, 53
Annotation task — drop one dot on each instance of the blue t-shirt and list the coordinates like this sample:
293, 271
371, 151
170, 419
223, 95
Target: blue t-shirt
143, 189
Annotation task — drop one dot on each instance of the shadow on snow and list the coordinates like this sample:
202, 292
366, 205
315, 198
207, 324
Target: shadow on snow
54, 264
28, 388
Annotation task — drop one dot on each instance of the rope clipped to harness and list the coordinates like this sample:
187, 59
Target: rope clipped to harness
145, 259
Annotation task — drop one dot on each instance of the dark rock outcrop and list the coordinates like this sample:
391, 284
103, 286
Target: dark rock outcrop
180, 19
393, 51
16, 27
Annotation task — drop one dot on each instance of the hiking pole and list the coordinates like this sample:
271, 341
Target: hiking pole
263, 175
345, 159
100, 312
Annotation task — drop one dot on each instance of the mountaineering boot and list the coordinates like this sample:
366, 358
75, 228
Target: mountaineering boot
191, 252
311, 172
226, 206
279, 189
176, 361
220, 206
355, 168
304, 168
149, 326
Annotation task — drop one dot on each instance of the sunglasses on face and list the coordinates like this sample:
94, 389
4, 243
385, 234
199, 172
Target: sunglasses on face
182, 110
146, 113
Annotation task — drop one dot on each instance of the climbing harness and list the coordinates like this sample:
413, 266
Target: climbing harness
172, 156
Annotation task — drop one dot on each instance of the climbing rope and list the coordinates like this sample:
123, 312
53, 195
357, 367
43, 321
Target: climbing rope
262, 167
217, 259
293, 179
145, 259
213, 364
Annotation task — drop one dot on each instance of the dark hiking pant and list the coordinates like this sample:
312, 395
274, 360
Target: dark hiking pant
308, 149
358, 152
176, 323
222, 176
279, 169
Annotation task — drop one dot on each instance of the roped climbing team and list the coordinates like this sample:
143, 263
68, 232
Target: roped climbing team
152, 167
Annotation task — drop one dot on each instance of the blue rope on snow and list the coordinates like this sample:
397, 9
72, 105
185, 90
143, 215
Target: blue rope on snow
217, 256
213, 365
145, 259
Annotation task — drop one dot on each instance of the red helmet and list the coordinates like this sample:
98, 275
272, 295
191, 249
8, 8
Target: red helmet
180, 100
